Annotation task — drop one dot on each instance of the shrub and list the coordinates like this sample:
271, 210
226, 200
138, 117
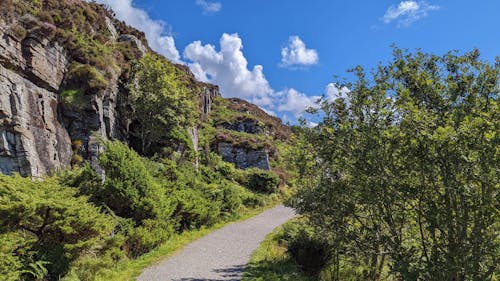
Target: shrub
146, 237
260, 180
87, 75
194, 209
51, 224
74, 98
18, 31
129, 189
306, 248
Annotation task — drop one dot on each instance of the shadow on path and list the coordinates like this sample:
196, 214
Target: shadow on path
233, 273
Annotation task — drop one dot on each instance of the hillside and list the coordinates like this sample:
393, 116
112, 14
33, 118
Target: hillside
70, 66
126, 147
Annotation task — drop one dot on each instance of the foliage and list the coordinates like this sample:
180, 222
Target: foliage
308, 250
45, 227
162, 104
403, 174
260, 180
271, 261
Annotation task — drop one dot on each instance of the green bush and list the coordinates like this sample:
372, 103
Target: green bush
306, 248
49, 225
129, 189
87, 75
146, 237
194, 209
260, 180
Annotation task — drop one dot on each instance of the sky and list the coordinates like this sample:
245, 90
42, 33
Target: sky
284, 54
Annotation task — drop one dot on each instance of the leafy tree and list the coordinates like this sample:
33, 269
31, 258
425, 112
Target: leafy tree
162, 105
407, 171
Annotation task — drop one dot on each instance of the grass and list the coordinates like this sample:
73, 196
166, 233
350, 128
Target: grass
130, 269
271, 262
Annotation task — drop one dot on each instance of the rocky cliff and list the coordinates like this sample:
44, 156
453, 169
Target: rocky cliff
51, 114
33, 140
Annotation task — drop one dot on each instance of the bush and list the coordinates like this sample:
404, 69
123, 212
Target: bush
306, 248
84, 74
146, 237
260, 180
194, 209
129, 189
49, 225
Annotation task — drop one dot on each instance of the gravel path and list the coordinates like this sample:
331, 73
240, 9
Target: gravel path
221, 255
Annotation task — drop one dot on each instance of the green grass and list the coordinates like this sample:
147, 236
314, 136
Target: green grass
130, 269
271, 262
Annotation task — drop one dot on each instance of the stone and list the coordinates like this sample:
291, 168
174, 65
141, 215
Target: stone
250, 126
32, 140
244, 158
134, 41
111, 28
42, 62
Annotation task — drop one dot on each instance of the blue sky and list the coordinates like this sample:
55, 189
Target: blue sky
283, 54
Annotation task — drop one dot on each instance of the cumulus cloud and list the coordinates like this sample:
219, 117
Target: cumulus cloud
155, 30
297, 54
295, 102
209, 7
333, 92
407, 12
228, 68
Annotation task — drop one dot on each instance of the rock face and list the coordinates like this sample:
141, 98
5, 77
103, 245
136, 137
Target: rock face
206, 98
134, 41
244, 158
36, 131
250, 126
32, 140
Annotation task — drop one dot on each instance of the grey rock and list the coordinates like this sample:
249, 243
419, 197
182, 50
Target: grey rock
134, 41
32, 140
111, 28
250, 126
244, 158
44, 63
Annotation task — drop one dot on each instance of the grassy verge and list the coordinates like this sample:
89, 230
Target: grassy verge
130, 269
271, 262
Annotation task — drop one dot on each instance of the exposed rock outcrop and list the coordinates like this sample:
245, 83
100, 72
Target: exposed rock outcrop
134, 41
244, 158
32, 140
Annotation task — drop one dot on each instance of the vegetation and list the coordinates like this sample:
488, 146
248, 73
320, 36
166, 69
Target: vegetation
45, 226
401, 178
162, 106
272, 261
81, 225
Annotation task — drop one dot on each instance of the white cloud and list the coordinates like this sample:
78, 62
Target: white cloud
228, 68
297, 54
311, 124
209, 7
408, 12
155, 30
295, 102
333, 92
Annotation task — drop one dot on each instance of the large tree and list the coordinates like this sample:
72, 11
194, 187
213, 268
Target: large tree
404, 176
